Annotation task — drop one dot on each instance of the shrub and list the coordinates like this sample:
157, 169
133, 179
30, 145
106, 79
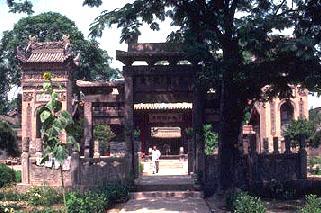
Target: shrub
7, 175
245, 203
47, 210
312, 205
10, 194
277, 190
96, 201
230, 198
116, 193
43, 196
77, 202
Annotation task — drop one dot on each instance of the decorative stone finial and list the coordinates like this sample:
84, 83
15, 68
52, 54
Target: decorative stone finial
32, 40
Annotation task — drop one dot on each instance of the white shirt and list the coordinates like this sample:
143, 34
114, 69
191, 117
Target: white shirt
155, 155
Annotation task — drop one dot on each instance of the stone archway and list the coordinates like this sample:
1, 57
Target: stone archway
157, 84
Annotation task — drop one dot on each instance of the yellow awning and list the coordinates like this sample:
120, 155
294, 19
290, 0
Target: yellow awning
183, 105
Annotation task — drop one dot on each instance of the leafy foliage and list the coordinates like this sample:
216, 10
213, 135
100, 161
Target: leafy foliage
314, 165
313, 205
7, 175
245, 203
299, 127
43, 196
8, 139
16, 6
103, 134
96, 201
210, 138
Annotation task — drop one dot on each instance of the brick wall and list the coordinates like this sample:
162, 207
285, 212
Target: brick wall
47, 176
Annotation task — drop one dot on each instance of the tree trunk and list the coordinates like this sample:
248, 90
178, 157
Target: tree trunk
231, 121
231, 115
63, 188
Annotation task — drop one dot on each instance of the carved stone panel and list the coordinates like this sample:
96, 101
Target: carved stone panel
27, 96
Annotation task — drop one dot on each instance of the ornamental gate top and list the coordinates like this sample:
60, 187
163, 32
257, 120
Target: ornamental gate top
152, 53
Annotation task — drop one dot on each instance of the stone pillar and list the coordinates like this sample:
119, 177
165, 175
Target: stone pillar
265, 145
252, 140
75, 168
25, 161
302, 158
275, 145
129, 126
252, 160
88, 128
191, 156
96, 150
39, 146
197, 132
287, 144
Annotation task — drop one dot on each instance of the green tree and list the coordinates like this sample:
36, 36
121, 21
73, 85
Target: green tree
8, 139
315, 116
234, 42
16, 6
56, 123
50, 26
103, 134
299, 127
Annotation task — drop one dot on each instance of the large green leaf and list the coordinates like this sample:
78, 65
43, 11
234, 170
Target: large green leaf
60, 153
45, 115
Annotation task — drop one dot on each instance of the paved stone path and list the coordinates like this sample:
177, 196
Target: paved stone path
166, 205
172, 178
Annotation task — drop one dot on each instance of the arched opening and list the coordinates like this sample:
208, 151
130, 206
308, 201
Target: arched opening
286, 115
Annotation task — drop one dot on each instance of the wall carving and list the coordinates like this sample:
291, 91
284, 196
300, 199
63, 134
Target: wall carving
42, 97
27, 96
39, 75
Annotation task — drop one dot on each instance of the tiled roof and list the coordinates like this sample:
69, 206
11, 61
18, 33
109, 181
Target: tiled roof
47, 57
183, 105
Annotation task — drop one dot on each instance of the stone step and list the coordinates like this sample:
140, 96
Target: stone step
166, 194
163, 187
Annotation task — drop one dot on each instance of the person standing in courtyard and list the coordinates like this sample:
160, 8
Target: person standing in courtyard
155, 159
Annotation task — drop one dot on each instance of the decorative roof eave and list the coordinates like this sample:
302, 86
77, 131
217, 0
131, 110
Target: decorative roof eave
117, 83
154, 52
128, 58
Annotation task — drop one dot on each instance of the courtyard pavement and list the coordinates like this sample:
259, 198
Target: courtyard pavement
173, 177
166, 205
